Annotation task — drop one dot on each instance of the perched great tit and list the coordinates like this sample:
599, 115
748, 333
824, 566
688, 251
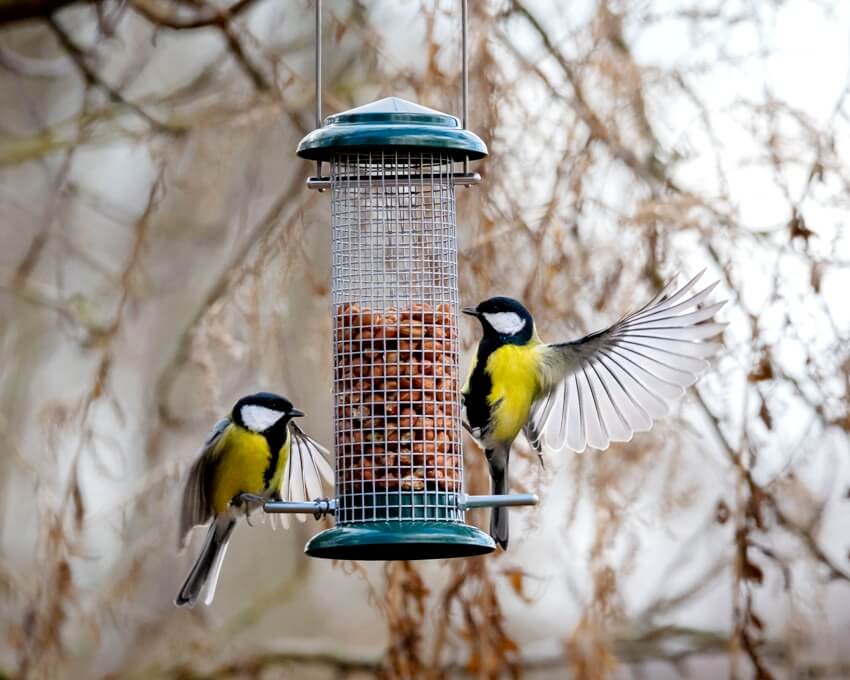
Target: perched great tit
246, 453
607, 385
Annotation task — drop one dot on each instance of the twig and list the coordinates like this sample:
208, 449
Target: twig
213, 17
649, 172
33, 67
93, 79
12, 11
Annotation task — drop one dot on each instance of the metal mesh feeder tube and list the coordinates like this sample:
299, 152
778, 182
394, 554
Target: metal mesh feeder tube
394, 281
394, 294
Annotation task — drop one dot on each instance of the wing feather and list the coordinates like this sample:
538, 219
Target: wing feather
660, 296
196, 506
677, 321
597, 433
608, 385
662, 302
667, 308
617, 427
307, 470
662, 366
539, 415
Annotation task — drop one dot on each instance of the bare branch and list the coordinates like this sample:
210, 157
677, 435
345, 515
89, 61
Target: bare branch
92, 78
25, 10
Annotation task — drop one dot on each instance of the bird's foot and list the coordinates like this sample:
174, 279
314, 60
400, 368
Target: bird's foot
247, 498
475, 432
249, 502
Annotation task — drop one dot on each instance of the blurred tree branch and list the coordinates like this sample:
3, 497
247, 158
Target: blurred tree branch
12, 11
208, 15
92, 78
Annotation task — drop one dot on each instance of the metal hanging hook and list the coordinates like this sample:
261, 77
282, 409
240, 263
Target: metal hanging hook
464, 21
465, 178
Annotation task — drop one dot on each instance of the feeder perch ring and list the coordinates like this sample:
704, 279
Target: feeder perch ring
327, 506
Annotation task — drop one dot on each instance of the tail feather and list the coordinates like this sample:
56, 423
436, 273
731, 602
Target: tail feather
205, 571
499, 520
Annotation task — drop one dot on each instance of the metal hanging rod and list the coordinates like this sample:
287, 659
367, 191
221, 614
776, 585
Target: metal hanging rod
464, 64
464, 76
318, 66
466, 178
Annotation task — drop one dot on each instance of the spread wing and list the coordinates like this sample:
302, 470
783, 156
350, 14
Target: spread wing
608, 385
307, 470
196, 506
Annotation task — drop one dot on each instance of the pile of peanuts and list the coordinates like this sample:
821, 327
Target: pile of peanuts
397, 399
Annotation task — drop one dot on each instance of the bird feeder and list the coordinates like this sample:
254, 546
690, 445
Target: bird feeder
393, 167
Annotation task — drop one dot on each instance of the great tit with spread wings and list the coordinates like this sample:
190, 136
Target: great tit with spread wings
256, 454
606, 386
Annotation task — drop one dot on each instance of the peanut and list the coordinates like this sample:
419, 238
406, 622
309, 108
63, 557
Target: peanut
414, 330
431, 349
411, 483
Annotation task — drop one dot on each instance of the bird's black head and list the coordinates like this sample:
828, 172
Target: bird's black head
505, 319
262, 411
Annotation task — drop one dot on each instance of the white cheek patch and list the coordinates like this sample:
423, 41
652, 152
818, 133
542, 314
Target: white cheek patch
259, 418
506, 323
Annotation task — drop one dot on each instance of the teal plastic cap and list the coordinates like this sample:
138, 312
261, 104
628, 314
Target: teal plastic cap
391, 124
400, 540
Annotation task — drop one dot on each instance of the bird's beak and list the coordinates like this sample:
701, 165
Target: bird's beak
470, 310
295, 413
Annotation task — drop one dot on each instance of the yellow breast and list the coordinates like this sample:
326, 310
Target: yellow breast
243, 458
515, 384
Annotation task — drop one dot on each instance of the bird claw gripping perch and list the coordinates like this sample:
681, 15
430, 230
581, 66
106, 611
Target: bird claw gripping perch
250, 502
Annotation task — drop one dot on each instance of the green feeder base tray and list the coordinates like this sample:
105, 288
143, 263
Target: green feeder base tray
417, 540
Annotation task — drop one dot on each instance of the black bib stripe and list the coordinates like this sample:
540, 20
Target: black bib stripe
276, 437
480, 385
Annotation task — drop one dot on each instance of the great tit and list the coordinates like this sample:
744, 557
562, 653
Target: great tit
245, 461
607, 385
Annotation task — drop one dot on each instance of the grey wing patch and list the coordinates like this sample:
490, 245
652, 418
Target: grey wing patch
307, 470
608, 385
196, 507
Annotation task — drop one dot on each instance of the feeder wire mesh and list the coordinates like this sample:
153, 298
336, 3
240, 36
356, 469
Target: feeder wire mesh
396, 357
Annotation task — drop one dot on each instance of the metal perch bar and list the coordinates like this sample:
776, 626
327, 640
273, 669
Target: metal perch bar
496, 501
327, 506
318, 508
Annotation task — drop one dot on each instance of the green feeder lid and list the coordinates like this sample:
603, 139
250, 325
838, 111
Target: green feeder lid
395, 124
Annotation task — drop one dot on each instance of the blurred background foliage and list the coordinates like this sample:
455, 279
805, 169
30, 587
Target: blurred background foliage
161, 256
